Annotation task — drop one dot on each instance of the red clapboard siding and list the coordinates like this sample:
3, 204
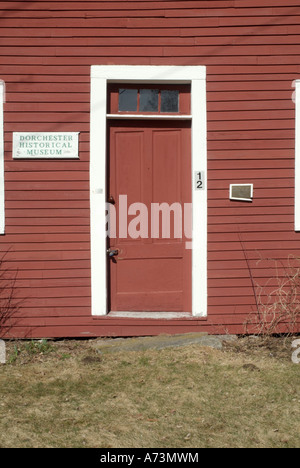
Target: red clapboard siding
251, 49
210, 33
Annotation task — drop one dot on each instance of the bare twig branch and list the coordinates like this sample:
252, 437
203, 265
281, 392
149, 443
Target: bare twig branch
278, 310
9, 304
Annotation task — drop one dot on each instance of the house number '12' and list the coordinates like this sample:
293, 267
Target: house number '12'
199, 180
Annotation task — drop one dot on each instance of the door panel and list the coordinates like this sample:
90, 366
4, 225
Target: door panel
150, 162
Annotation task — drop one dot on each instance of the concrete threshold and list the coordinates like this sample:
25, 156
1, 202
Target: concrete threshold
151, 315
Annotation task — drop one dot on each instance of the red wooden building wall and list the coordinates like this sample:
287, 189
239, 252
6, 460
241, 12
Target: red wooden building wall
252, 52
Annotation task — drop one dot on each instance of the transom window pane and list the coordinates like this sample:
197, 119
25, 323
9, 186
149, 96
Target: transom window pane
128, 99
169, 101
149, 100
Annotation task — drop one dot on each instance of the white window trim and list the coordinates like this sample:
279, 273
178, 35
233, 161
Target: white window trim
2, 195
297, 157
100, 77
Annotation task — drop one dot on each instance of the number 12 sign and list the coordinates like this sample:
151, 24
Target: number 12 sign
199, 180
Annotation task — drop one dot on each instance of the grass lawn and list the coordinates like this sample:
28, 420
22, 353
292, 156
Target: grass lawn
66, 394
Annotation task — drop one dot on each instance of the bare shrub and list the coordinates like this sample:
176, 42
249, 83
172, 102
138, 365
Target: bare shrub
9, 304
277, 301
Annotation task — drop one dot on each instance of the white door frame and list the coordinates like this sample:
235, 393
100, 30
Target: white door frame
100, 77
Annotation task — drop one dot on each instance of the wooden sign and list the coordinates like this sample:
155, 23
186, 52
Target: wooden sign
46, 145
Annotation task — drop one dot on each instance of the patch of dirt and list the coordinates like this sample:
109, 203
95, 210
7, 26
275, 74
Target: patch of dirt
91, 360
23, 352
251, 367
278, 347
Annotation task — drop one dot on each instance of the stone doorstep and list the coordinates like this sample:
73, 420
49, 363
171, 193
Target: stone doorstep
116, 345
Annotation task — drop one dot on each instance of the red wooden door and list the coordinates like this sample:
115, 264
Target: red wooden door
150, 164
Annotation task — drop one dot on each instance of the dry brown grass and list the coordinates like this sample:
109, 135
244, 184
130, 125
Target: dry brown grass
65, 394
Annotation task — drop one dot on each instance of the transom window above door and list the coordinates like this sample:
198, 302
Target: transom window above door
145, 99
